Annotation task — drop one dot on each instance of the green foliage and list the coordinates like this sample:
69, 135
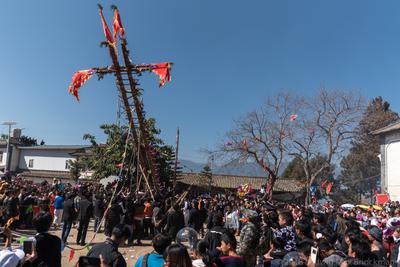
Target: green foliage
27, 141
361, 167
206, 177
75, 168
295, 170
106, 157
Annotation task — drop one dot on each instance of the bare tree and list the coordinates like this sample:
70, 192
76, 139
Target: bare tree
264, 135
324, 128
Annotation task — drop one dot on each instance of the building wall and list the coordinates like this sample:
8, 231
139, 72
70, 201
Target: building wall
51, 160
390, 164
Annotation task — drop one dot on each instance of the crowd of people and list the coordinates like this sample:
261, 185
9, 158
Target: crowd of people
228, 230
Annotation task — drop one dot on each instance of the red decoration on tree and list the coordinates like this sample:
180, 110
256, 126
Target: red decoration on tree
117, 26
162, 70
293, 117
119, 165
329, 188
79, 78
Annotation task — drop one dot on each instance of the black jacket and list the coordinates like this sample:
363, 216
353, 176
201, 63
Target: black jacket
99, 207
69, 214
213, 237
48, 248
86, 210
195, 219
109, 251
175, 222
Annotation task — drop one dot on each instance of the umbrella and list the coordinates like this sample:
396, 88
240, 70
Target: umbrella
377, 207
364, 207
109, 179
348, 206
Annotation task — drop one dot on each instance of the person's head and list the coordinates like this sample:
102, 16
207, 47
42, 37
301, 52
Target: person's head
303, 228
218, 219
177, 255
374, 233
120, 234
160, 243
396, 233
359, 249
228, 243
42, 222
200, 249
325, 248
285, 218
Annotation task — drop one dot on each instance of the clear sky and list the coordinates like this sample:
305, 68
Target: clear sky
229, 56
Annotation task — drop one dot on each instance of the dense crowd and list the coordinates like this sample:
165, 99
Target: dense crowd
189, 229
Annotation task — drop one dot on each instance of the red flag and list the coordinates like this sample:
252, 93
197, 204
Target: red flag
117, 26
329, 188
119, 165
293, 117
106, 30
162, 70
71, 254
323, 183
79, 78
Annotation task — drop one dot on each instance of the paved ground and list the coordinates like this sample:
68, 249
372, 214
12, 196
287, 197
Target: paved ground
130, 253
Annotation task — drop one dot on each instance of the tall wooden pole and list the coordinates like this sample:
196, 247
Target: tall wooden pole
176, 156
139, 113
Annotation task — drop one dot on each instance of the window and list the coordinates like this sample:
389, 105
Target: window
30, 163
1, 157
67, 165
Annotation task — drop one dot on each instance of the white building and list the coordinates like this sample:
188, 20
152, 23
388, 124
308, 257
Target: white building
42, 162
389, 137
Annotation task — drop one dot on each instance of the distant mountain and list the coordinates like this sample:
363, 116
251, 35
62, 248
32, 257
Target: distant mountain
190, 166
232, 168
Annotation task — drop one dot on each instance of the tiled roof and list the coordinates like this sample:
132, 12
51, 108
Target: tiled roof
55, 147
391, 127
45, 174
231, 182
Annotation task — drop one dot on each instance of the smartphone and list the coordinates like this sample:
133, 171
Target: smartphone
313, 256
89, 262
27, 246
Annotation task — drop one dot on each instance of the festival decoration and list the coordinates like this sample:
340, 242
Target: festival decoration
117, 25
79, 78
244, 143
163, 72
243, 190
119, 165
329, 188
71, 255
106, 30
293, 117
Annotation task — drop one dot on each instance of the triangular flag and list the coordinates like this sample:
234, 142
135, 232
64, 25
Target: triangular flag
117, 25
106, 30
79, 78
163, 71
329, 188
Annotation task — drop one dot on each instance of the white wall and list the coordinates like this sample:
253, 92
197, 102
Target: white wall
49, 160
393, 170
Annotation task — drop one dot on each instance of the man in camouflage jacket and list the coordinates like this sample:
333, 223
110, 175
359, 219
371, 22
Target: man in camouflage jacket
249, 239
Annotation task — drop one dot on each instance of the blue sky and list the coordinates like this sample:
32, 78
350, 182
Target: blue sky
229, 56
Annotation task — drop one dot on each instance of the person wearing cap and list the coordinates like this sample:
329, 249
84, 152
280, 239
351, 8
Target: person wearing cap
249, 239
14, 258
375, 236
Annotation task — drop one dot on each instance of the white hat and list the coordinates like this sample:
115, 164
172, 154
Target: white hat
11, 258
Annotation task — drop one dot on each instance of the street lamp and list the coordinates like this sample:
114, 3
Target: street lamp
9, 123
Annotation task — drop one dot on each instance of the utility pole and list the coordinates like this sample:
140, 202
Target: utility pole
8, 158
176, 156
